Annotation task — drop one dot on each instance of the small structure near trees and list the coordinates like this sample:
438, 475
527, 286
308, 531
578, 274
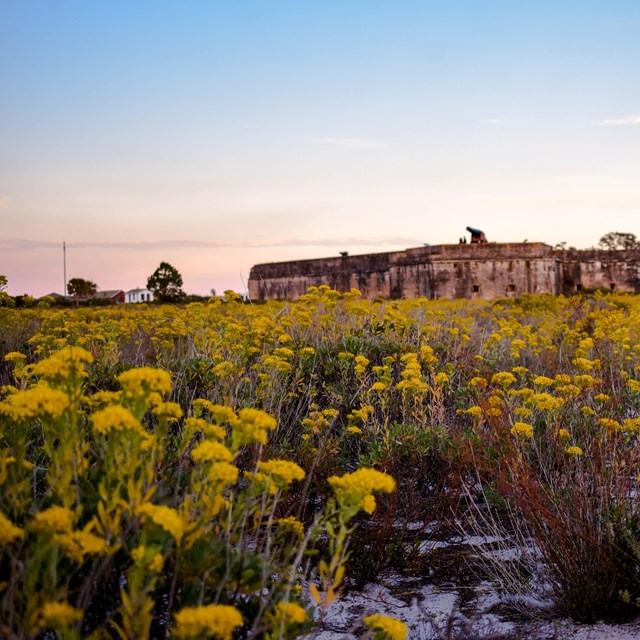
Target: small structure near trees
81, 289
134, 296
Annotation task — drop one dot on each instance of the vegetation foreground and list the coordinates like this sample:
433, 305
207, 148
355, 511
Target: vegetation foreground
222, 470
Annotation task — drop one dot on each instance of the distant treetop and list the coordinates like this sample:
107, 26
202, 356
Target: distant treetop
166, 283
619, 240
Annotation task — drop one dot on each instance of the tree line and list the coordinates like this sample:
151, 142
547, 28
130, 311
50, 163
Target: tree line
165, 283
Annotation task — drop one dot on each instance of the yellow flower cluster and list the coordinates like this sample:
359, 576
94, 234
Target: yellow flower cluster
53, 520
216, 620
220, 414
369, 504
9, 531
574, 451
166, 517
610, 423
200, 425
252, 427
631, 425
103, 399
585, 364
361, 365
388, 628
441, 378
36, 402
503, 379
223, 473
59, 615
318, 421
63, 364
115, 418
286, 614
209, 451
145, 380
282, 472
522, 429
634, 385
361, 414
14, 356
149, 557
170, 411
546, 402
412, 375
292, 524
77, 544
356, 489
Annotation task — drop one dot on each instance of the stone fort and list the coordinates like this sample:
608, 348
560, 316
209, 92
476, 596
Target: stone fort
484, 271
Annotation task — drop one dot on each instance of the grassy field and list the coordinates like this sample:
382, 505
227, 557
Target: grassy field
224, 469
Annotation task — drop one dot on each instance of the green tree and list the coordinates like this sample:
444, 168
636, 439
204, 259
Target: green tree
5, 299
80, 288
619, 240
166, 283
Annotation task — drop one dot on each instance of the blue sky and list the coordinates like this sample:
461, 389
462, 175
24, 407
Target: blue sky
217, 135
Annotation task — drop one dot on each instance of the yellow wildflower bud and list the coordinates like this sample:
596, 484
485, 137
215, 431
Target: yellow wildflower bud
369, 504
115, 418
283, 472
9, 531
522, 429
59, 615
53, 520
388, 628
166, 517
503, 378
286, 614
217, 620
144, 380
211, 451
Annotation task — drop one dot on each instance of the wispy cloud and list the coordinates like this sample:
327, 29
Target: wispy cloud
5, 201
343, 243
21, 244
350, 144
493, 121
620, 122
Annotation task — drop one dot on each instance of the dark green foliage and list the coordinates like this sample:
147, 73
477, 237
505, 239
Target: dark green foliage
166, 284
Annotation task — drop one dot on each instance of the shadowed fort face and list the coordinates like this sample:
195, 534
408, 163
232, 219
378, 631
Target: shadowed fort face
478, 270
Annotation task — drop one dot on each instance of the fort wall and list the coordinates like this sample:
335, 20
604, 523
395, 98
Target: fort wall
485, 271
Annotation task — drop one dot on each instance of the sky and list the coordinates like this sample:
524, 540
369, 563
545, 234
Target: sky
219, 134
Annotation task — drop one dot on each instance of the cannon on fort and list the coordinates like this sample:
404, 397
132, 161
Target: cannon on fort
476, 235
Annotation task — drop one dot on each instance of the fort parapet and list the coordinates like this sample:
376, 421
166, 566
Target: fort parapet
485, 271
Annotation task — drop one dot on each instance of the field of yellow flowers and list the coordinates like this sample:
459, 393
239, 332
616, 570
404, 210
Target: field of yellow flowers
224, 469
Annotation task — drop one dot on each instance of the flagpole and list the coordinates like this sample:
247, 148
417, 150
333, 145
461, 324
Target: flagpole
64, 266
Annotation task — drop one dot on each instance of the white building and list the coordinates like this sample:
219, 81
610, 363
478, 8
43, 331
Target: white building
138, 295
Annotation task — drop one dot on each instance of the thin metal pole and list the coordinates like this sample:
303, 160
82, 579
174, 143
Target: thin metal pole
64, 263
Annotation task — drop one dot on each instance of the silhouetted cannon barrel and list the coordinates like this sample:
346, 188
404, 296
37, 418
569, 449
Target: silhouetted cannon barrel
477, 235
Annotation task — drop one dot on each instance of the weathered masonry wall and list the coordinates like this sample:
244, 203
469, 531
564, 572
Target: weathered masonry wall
597, 269
289, 280
485, 271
